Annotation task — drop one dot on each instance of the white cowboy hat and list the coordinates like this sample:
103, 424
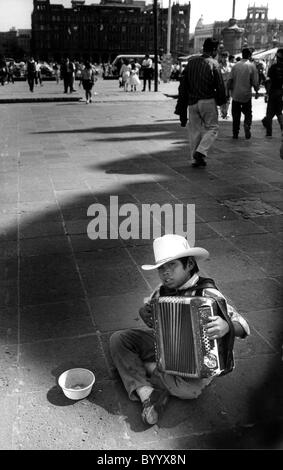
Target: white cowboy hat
170, 247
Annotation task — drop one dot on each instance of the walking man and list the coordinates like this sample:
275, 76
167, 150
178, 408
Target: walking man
244, 76
67, 74
31, 73
202, 90
274, 88
147, 71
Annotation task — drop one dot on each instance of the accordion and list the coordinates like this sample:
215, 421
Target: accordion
182, 346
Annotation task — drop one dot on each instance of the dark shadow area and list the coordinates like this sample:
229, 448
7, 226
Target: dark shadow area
56, 397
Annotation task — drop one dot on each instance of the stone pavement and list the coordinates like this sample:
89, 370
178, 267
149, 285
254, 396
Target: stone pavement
104, 90
63, 294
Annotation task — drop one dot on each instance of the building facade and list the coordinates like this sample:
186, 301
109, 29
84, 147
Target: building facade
260, 33
202, 31
103, 31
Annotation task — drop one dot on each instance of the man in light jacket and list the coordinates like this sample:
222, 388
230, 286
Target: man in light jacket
244, 76
201, 90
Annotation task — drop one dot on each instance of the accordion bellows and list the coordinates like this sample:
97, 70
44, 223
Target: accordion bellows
181, 343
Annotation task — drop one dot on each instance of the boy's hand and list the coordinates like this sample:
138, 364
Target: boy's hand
146, 315
216, 328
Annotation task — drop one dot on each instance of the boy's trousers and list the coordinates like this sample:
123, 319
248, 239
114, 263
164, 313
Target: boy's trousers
130, 349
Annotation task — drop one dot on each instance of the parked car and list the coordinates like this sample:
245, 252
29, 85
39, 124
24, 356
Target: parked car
46, 70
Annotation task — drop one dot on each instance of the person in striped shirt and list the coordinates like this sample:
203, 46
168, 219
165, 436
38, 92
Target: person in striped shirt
201, 90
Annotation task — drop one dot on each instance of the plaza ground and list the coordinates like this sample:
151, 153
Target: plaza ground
63, 294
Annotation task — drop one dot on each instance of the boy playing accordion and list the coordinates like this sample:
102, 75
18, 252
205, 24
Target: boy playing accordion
133, 350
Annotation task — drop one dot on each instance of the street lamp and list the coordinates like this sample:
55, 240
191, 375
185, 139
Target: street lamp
233, 9
155, 41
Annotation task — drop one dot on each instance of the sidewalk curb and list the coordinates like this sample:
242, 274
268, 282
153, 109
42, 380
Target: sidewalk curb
37, 100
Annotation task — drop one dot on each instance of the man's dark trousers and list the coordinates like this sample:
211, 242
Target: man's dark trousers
237, 109
274, 108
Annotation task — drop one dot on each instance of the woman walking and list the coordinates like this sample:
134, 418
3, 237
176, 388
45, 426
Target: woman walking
88, 78
134, 80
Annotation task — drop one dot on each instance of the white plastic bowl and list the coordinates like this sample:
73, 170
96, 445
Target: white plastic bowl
76, 383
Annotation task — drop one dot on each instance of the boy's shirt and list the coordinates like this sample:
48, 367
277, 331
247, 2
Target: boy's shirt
188, 288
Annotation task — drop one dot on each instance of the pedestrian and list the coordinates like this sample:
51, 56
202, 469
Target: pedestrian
11, 71
133, 350
38, 75
244, 76
147, 72
274, 89
125, 74
31, 73
56, 69
202, 90
3, 71
68, 75
225, 69
134, 80
261, 70
232, 59
88, 79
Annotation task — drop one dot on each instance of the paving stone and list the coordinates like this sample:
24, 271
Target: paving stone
105, 258
32, 195
6, 208
8, 269
8, 370
273, 223
43, 245
215, 212
200, 415
267, 323
34, 229
232, 228
254, 244
8, 249
259, 395
8, 410
50, 277
252, 207
54, 320
84, 424
119, 280
8, 292
264, 293
117, 312
42, 362
233, 265
9, 325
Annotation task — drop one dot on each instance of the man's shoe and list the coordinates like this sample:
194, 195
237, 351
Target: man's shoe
247, 134
153, 406
235, 136
199, 160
